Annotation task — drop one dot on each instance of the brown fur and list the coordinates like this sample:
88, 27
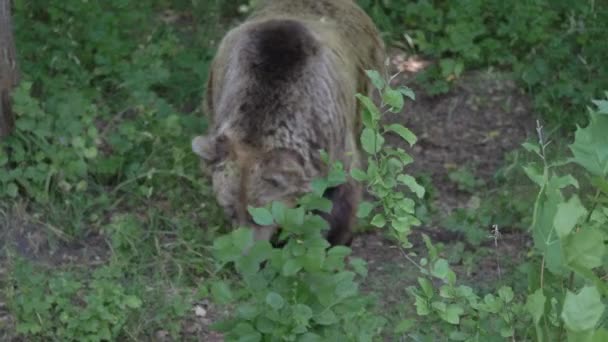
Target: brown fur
281, 88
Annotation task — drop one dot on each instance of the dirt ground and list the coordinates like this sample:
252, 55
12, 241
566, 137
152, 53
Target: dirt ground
482, 118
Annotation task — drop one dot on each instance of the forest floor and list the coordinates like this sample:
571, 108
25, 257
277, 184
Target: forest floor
473, 127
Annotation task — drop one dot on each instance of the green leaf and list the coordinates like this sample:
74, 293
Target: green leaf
346, 288
507, 331
506, 294
535, 304
531, 147
568, 213
534, 175
411, 183
275, 300
371, 113
407, 92
376, 78
543, 232
441, 269
371, 141
250, 264
600, 335
394, 99
78, 143
359, 265
359, 175
314, 259
379, 221
28, 327
404, 326
242, 238
365, 208
133, 302
315, 202
422, 306
302, 313
403, 132
261, 216
12, 190
590, 276
339, 251
221, 293
452, 313
582, 311
90, 152
602, 106
326, 317
491, 303
278, 210
590, 147
318, 186
426, 286
585, 248
294, 217
565, 181
601, 184
291, 267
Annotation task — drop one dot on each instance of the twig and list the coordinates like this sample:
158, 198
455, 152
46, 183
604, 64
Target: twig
496, 235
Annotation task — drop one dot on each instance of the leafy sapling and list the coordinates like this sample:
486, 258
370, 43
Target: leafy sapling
385, 165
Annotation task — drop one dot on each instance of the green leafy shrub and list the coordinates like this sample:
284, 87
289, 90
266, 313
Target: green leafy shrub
453, 311
570, 236
385, 165
300, 292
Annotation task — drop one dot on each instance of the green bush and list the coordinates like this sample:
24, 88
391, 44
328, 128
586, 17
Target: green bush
548, 44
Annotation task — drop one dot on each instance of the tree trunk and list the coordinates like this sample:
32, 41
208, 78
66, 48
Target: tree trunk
9, 75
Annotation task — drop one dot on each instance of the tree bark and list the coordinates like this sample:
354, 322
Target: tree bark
9, 75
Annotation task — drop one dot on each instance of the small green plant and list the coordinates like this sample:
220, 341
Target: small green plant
385, 165
465, 179
35, 164
60, 307
472, 222
569, 292
456, 312
302, 291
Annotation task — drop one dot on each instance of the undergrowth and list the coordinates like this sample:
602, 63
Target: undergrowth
552, 46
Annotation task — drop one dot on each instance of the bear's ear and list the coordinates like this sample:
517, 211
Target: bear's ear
211, 149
